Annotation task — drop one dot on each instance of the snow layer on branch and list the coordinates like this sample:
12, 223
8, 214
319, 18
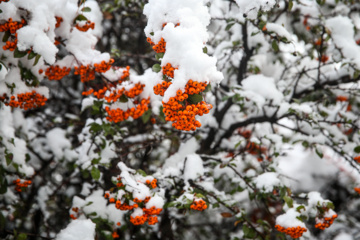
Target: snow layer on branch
342, 33
251, 7
175, 163
58, 142
267, 181
193, 167
78, 229
14, 145
262, 88
289, 219
184, 43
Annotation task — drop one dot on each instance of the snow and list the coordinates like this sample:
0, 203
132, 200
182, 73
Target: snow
268, 89
289, 219
185, 43
78, 229
193, 167
58, 142
251, 7
342, 33
267, 181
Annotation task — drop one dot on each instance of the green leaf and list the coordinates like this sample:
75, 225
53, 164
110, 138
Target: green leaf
86, 9
9, 158
3, 187
6, 36
248, 232
229, 26
291, 4
19, 54
195, 98
123, 98
21, 236
80, 17
319, 153
32, 55
146, 116
156, 68
38, 56
95, 127
275, 46
289, 201
262, 25
299, 208
357, 149
207, 88
95, 173
141, 172
95, 161
159, 56
205, 50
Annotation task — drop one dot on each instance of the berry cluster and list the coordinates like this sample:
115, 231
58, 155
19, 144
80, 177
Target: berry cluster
87, 73
182, 108
159, 47
25, 101
294, 232
322, 223
75, 213
198, 205
11, 27
168, 70
118, 91
117, 115
88, 24
56, 72
59, 20
21, 184
126, 203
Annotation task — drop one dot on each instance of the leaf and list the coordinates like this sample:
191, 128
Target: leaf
226, 215
237, 222
80, 17
95, 173
357, 149
86, 9
319, 153
156, 68
248, 232
275, 46
205, 50
146, 116
6, 36
291, 4
159, 56
229, 26
141, 172
299, 208
21, 236
123, 98
32, 55
19, 54
3, 187
95, 127
38, 56
9, 158
289, 201
195, 98
207, 88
